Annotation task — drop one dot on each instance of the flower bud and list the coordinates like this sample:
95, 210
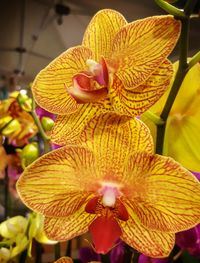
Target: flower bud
29, 154
47, 123
25, 102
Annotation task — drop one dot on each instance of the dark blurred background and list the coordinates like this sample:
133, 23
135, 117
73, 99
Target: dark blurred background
33, 32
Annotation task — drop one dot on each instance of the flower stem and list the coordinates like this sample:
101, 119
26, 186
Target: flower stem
182, 71
170, 8
194, 60
57, 251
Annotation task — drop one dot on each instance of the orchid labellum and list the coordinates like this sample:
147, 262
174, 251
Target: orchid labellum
120, 67
113, 186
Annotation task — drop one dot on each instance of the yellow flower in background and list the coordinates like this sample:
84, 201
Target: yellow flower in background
69, 260
114, 187
119, 67
13, 232
15, 123
182, 137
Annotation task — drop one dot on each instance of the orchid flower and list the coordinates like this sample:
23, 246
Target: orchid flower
119, 67
114, 187
15, 123
69, 260
183, 121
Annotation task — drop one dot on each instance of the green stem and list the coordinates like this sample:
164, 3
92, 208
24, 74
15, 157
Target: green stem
41, 131
170, 8
153, 117
182, 71
194, 60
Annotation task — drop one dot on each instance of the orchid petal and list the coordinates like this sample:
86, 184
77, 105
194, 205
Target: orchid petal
67, 129
151, 243
166, 195
142, 46
182, 120
59, 182
101, 30
136, 101
113, 137
50, 86
64, 260
65, 228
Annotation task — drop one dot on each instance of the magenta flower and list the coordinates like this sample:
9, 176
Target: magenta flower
146, 259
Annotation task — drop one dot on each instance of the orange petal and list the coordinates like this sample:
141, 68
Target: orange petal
136, 101
151, 243
59, 182
112, 138
166, 195
66, 228
50, 86
142, 46
64, 260
101, 31
68, 128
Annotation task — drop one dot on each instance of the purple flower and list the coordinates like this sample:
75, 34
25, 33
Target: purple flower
197, 175
117, 253
190, 240
87, 254
43, 113
146, 259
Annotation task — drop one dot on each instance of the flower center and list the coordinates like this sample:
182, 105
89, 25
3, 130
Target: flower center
91, 85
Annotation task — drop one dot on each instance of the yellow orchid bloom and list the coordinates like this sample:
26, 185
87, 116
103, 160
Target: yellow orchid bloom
182, 139
15, 123
119, 67
113, 186
69, 260
13, 232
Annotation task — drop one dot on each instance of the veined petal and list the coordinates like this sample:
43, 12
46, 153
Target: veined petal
64, 260
101, 31
60, 182
166, 196
135, 101
151, 243
50, 86
112, 138
68, 128
142, 46
65, 228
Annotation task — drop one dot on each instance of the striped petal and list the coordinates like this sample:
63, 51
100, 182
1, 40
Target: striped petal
113, 137
64, 260
151, 243
50, 86
142, 46
58, 183
166, 196
101, 31
66, 228
136, 101
68, 128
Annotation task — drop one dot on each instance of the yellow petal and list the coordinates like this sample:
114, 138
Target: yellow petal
151, 243
68, 128
183, 120
50, 86
59, 182
101, 30
66, 228
112, 138
136, 101
166, 196
142, 46
64, 260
